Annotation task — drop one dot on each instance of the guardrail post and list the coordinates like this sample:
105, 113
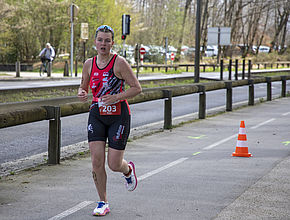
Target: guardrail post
167, 94
17, 68
65, 71
243, 69
236, 69
251, 92
249, 68
76, 67
229, 101
138, 69
222, 70
54, 139
49, 65
230, 69
283, 91
269, 88
202, 102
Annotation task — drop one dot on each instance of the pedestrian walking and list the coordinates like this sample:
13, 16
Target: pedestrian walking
109, 115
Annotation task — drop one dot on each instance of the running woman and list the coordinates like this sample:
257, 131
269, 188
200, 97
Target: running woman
109, 117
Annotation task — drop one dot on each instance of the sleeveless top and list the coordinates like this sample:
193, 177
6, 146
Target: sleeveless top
104, 81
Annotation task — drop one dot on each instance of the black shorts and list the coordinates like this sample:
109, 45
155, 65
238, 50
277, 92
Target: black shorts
115, 128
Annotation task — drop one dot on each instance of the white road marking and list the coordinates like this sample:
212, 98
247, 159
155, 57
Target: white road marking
263, 123
287, 113
71, 210
235, 135
220, 142
86, 203
153, 172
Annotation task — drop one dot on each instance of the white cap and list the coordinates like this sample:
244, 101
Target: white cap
48, 44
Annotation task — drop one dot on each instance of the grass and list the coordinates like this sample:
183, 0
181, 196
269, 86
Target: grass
55, 93
4, 74
274, 74
37, 95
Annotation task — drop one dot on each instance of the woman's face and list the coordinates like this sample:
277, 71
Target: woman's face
104, 42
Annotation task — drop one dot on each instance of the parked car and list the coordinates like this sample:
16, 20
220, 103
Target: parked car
211, 51
262, 49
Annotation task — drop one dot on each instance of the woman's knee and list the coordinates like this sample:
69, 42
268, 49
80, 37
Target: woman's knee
97, 156
97, 164
115, 165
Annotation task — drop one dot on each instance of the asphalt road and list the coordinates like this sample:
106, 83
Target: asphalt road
30, 139
186, 173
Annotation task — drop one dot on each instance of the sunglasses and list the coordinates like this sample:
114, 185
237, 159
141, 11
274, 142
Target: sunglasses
105, 28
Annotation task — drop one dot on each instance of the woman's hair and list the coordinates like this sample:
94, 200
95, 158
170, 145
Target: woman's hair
105, 28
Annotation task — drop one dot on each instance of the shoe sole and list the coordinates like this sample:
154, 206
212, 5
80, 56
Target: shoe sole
107, 210
133, 166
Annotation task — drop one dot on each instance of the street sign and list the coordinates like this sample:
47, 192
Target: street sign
172, 56
142, 50
84, 31
219, 36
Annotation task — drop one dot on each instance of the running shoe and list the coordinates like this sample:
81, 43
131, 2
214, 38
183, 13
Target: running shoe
102, 208
131, 181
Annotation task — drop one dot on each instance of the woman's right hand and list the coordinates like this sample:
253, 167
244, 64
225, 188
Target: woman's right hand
83, 95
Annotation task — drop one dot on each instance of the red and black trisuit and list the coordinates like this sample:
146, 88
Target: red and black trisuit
108, 121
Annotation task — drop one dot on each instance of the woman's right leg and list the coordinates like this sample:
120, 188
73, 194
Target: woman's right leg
98, 154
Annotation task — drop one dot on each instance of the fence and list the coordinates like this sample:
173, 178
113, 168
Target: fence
236, 64
222, 65
54, 113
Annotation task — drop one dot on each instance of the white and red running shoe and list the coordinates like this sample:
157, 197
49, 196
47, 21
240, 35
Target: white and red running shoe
131, 181
102, 208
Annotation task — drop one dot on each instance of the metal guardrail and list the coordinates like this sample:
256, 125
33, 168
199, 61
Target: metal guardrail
54, 113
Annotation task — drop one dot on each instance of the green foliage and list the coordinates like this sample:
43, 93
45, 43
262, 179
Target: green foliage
31, 25
26, 26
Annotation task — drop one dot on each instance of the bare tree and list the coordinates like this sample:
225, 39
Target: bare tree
282, 10
187, 3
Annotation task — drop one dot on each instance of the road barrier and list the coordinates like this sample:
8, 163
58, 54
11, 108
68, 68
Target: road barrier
54, 113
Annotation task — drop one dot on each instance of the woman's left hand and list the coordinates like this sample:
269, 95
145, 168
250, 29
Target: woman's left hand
109, 99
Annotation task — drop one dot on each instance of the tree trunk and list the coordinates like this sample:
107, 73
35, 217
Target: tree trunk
188, 2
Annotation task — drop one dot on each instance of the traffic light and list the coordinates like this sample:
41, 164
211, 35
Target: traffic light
123, 37
125, 25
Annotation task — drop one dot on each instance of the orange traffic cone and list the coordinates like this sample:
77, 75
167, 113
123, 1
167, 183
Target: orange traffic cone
242, 144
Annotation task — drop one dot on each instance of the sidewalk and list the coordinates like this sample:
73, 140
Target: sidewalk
36, 76
6, 75
45, 190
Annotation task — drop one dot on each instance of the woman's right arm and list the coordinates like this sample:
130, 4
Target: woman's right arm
84, 86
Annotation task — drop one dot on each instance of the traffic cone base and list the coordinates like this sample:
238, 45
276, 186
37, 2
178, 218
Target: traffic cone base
241, 152
242, 144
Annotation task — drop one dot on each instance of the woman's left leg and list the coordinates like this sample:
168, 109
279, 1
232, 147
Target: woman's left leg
116, 161
118, 164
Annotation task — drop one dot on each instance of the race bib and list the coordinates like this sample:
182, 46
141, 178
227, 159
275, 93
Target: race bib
113, 109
